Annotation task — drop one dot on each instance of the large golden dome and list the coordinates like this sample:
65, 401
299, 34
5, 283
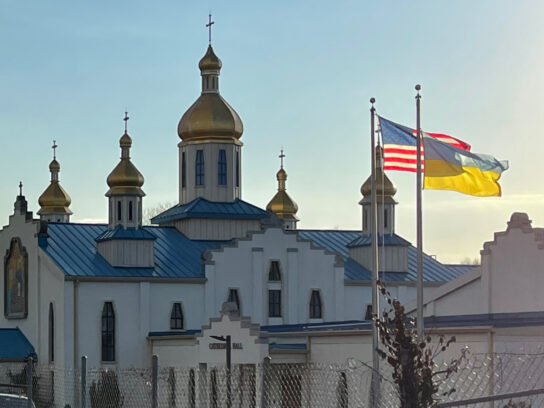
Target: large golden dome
125, 177
384, 186
54, 199
210, 117
281, 204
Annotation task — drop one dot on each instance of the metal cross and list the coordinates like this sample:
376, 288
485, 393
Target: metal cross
54, 147
209, 25
20, 188
126, 118
281, 156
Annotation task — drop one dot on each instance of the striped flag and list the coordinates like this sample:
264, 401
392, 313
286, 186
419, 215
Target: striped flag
399, 145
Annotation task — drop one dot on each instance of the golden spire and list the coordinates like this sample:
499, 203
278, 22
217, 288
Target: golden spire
210, 117
125, 177
281, 204
384, 186
54, 199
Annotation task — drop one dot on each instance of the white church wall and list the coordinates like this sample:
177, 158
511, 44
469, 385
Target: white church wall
246, 266
164, 295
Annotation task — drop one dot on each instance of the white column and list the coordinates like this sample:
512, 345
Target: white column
258, 295
292, 288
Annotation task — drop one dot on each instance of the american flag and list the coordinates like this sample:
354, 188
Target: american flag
399, 146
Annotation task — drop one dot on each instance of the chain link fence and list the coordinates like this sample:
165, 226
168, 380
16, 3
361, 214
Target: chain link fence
506, 380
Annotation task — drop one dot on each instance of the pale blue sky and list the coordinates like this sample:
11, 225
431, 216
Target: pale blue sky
300, 75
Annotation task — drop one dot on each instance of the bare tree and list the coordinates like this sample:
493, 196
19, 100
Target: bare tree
150, 212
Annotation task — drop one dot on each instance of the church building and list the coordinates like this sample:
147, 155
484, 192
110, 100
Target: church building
213, 263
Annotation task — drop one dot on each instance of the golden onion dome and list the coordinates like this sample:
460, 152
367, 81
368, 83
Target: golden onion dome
210, 116
125, 177
54, 199
281, 204
210, 61
384, 186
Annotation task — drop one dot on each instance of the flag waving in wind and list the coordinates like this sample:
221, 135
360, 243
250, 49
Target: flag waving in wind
446, 162
399, 144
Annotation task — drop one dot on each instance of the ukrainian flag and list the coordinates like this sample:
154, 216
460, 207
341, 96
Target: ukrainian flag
450, 168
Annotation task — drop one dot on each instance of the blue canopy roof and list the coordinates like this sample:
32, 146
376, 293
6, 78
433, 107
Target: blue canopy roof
383, 240
73, 248
202, 208
339, 241
129, 233
14, 346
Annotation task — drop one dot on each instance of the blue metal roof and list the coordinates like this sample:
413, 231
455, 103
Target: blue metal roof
202, 208
121, 233
14, 346
383, 240
339, 241
287, 346
73, 248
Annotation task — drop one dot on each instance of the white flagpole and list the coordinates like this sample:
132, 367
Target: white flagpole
375, 394
420, 328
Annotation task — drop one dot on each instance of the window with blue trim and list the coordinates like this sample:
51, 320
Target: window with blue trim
199, 168
108, 332
222, 168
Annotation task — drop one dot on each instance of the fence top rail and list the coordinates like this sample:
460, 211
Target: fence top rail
489, 398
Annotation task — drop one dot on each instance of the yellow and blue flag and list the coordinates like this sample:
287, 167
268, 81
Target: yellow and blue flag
450, 168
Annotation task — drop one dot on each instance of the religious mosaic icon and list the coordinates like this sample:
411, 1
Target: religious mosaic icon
16, 281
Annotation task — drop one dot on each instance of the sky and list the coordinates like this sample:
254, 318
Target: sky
300, 75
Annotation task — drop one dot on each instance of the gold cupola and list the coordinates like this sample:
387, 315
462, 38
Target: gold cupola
283, 206
384, 186
54, 201
125, 177
210, 117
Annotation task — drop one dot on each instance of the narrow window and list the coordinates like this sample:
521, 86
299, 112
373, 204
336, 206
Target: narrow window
274, 303
368, 312
207, 82
183, 171
199, 170
118, 210
365, 219
234, 298
176, 317
130, 210
51, 333
108, 332
342, 391
274, 274
385, 214
213, 390
315, 305
237, 169
222, 168
213, 82
192, 389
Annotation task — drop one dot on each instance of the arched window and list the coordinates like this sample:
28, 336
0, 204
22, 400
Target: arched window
192, 389
274, 274
213, 389
176, 317
118, 210
316, 310
183, 171
199, 168
234, 298
222, 168
130, 210
237, 169
51, 333
108, 332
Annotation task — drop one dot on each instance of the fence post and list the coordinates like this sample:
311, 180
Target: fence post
29, 367
265, 382
154, 378
83, 381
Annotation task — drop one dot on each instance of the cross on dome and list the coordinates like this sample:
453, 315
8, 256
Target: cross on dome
126, 118
21, 188
54, 147
281, 156
209, 25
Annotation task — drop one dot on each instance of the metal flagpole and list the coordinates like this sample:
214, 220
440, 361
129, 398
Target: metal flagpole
375, 394
420, 328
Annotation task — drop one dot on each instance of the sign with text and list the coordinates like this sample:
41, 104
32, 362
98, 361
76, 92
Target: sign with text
222, 346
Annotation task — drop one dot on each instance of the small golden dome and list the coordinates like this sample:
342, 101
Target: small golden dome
210, 61
125, 177
384, 186
54, 166
281, 204
210, 117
